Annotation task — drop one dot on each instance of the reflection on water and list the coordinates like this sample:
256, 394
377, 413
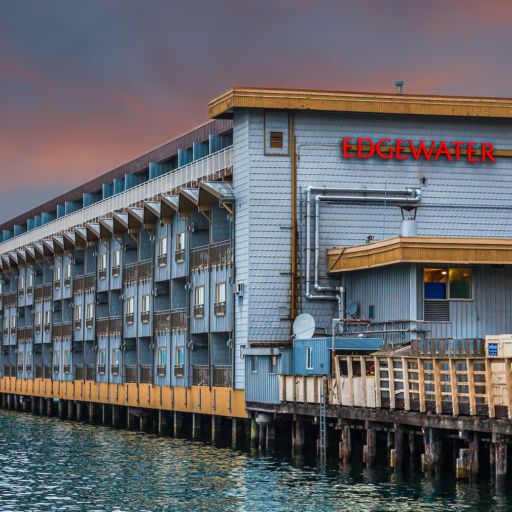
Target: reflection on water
47, 464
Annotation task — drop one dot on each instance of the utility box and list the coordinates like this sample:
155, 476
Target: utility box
499, 345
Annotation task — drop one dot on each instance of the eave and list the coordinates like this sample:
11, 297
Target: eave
418, 249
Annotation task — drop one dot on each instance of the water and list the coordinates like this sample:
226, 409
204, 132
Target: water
48, 464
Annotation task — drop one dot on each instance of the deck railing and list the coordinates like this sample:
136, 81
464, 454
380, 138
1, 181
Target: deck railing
200, 375
211, 164
222, 375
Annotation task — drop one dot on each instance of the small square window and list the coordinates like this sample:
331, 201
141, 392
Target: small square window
276, 140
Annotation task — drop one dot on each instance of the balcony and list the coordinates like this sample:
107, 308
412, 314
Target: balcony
102, 327
200, 375
161, 370
222, 375
199, 258
199, 311
219, 309
7, 370
145, 270
162, 321
130, 373
130, 273
179, 370
178, 319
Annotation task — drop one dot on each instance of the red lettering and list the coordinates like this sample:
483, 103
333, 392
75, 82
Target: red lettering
422, 149
458, 144
487, 149
398, 149
471, 152
346, 147
369, 142
443, 150
378, 149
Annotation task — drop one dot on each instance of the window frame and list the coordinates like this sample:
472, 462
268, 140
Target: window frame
309, 358
179, 356
180, 247
448, 284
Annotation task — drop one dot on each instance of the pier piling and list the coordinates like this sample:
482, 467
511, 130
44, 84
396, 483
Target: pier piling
71, 409
370, 448
298, 436
196, 425
431, 457
177, 424
115, 415
345, 447
254, 434
270, 437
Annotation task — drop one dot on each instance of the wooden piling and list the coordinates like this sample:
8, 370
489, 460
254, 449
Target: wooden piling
71, 407
79, 411
216, 428
298, 436
116, 410
345, 447
270, 437
49, 407
254, 434
432, 454
177, 424
196, 425
370, 448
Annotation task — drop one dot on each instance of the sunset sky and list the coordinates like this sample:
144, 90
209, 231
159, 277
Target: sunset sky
88, 85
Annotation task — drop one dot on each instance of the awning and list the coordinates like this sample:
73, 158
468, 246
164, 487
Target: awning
419, 249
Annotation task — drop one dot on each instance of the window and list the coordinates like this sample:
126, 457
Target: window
78, 316
20, 360
180, 247
30, 282
161, 361
144, 314
67, 361
273, 364
28, 363
276, 140
56, 277
56, 360
6, 324
67, 275
447, 283
309, 358
162, 251
102, 266
21, 284
102, 360
130, 303
116, 262
116, 357
220, 299
440, 285
37, 321
180, 356
13, 322
47, 318
252, 361
199, 301
89, 315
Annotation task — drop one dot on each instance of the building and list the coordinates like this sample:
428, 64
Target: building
172, 282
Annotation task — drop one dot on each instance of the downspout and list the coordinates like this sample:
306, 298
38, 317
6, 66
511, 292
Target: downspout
294, 263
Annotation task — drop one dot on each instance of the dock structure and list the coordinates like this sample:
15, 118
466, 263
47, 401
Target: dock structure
315, 270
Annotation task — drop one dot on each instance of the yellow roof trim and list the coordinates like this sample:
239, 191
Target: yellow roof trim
418, 249
375, 103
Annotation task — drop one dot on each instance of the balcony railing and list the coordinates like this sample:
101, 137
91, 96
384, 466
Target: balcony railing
179, 256
222, 375
79, 372
90, 372
56, 368
162, 260
146, 374
114, 369
220, 253
200, 375
161, 370
67, 369
115, 271
20, 368
130, 373
102, 326
7, 371
179, 370
178, 319
219, 309
144, 317
130, 318
162, 321
101, 369
199, 311
28, 368
130, 273
145, 270
89, 323
199, 258
102, 274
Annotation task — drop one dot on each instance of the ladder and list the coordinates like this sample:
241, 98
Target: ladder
322, 424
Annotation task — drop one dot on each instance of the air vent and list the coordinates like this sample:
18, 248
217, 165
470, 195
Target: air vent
436, 311
276, 140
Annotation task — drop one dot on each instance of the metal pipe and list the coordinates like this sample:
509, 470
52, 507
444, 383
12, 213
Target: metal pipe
393, 196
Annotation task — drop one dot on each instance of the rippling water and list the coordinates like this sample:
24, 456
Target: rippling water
47, 464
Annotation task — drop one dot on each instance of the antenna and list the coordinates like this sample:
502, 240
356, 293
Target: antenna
304, 326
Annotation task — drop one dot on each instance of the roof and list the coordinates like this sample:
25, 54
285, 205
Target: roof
158, 154
362, 102
420, 249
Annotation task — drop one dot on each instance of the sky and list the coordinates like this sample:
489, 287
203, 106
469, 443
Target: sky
86, 85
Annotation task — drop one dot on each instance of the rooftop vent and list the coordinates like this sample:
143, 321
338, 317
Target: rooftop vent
399, 86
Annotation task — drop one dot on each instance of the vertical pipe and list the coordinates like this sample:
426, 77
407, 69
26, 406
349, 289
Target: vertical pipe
294, 291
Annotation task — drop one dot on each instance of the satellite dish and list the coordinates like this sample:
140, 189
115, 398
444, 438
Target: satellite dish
304, 326
352, 308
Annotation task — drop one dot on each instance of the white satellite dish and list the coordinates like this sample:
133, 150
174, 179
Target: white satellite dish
304, 326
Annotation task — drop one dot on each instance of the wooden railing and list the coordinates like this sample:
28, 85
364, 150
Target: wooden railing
200, 375
222, 375
199, 258
178, 319
220, 253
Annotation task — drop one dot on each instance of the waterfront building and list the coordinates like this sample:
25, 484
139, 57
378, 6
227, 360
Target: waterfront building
172, 282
